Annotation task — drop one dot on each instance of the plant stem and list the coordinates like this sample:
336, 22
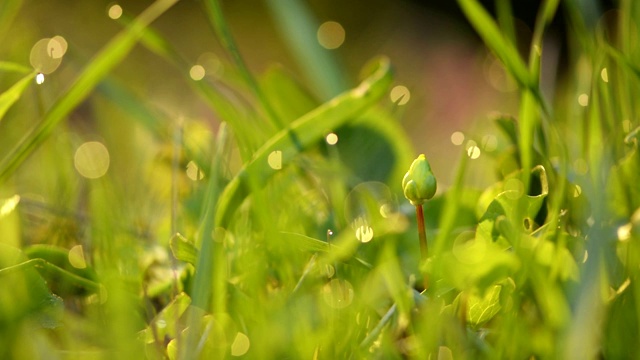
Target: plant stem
422, 235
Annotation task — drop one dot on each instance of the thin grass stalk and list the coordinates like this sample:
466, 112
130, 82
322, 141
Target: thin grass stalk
221, 28
110, 55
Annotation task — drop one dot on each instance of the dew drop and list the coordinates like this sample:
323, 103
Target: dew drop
338, 293
197, 72
332, 139
331, 35
275, 159
40, 78
577, 191
8, 205
91, 160
457, 138
473, 151
386, 211
57, 47
400, 95
604, 75
161, 323
583, 100
193, 171
76, 257
624, 232
42, 55
115, 11
211, 64
372, 210
240, 345
364, 233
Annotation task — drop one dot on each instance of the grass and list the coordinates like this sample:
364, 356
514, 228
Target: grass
275, 243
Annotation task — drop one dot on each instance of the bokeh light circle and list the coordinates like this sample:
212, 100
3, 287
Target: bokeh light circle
91, 160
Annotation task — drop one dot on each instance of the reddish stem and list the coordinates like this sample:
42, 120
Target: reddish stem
422, 235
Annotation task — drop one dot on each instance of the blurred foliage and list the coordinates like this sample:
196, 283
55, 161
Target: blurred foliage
262, 215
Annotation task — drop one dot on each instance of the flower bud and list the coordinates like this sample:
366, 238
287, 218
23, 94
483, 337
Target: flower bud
419, 184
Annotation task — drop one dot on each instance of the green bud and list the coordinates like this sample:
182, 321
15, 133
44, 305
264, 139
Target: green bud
419, 184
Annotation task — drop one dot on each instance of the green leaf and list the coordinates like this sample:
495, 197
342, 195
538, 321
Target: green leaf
112, 54
183, 249
481, 309
301, 134
9, 97
506, 200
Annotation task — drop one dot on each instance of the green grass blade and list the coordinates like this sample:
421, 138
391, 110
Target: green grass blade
495, 40
225, 109
307, 129
210, 278
219, 23
9, 97
55, 270
504, 14
8, 10
155, 122
14, 67
112, 54
297, 24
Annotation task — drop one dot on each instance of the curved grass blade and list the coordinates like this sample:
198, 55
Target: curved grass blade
307, 129
112, 54
9, 97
